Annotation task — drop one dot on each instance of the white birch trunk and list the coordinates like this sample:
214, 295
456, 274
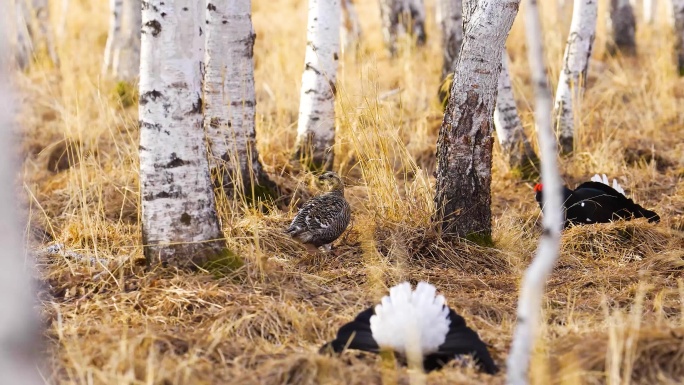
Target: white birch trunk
452, 33
678, 13
316, 125
42, 11
63, 19
509, 129
19, 325
574, 72
114, 34
534, 281
400, 17
230, 99
23, 44
127, 65
621, 27
179, 220
649, 7
350, 31
464, 145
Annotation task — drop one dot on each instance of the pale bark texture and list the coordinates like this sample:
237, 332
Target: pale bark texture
509, 130
621, 28
678, 11
114, 34
649, 7
350, 31
464, 145
41, 10
179, 219
574, 72
316, 125
400, 17
230, 99
19, 324
534, 280
452, 33
23, 45
127, 65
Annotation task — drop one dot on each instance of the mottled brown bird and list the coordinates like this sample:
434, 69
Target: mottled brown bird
322, 219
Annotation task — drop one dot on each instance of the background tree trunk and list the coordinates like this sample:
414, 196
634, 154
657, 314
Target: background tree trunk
41, 10
19, 324
678, 12
128, 64
400, 17
316, 126
230, 99
464, 145
180, 224
621, 28
23, 45
113, 36
532, 287
452, 33
649, 7
574, 72
350, 32
514, 143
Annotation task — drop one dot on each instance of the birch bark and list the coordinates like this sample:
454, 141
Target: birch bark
114, 34
128, 65
509, 130
649, 7
464, 145
574, 72
452, 33
316, 125
621, 28
534, 280
230, 99
24, 45
678, 13
179, 220
19, 324
400, 17
350, 32
42, 11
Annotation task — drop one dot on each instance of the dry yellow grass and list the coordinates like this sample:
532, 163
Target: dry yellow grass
614, 307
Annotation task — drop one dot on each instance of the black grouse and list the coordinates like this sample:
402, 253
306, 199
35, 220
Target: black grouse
597, 202
440, 334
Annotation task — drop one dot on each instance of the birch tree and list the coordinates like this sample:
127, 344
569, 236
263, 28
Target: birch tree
41, 10
678, 13
350, 31
19, 325
127, 63
113, 35
23, 49
532, 286
621, 27
464, 145
452, 32
230, 99
316, 125
649, 8
509, 130
179, 220
574, 72
400, 17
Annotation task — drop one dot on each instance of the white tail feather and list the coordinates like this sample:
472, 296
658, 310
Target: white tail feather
604, 180
405, 315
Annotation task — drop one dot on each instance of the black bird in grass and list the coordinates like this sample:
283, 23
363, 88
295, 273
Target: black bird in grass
597, 202
322, 219
439, 334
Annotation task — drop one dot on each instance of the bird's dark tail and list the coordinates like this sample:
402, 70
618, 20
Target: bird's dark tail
640, 212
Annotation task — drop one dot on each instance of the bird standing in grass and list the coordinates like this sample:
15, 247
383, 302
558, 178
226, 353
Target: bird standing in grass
322, 219
414, 324
597, 202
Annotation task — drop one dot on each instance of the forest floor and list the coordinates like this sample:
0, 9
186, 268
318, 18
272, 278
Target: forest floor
614, 307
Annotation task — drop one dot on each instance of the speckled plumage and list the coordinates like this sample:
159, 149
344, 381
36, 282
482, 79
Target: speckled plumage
322, 219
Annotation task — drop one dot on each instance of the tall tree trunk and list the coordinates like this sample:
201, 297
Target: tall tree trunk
509, 130
24, 45
574, 72
452, 33
114, 34
678, 11
350, 32
316, 126
41, 10
400, 17
532, 287
19, 324
179, 220
128, 65
649, 7
230, 99
621, 28
464, 146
